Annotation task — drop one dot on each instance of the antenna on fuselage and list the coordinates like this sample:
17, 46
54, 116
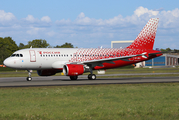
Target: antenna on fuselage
31, 47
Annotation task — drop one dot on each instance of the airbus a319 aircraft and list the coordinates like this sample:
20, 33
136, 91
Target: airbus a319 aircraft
75, 61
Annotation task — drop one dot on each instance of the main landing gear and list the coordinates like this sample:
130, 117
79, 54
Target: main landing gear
29, 78
91, 76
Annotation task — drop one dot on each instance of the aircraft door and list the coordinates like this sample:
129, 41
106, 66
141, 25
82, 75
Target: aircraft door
32, 56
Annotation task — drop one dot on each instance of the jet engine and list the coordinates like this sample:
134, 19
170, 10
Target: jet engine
47, 72
74, 69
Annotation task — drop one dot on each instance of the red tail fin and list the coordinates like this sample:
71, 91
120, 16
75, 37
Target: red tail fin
146, 38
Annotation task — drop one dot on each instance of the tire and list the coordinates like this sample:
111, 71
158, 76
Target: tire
92, 77
73, 77
29, 79
89, 76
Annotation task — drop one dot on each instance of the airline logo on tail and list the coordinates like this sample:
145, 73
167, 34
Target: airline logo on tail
146, 38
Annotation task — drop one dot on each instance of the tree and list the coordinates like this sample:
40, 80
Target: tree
37, 43
168, 49
7, 47
66, 45
21, 46
163, 50
176, 51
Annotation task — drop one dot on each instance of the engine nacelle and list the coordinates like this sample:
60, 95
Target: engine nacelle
47, 72
73, 69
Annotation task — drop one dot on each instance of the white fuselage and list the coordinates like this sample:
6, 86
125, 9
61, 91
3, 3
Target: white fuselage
39, 58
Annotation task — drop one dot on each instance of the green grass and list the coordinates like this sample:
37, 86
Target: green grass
97, 102
6, 69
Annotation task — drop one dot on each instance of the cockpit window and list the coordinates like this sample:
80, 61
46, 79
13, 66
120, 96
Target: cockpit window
17, 55
13, 55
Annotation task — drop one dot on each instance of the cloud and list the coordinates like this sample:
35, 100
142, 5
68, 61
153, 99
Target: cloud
90, 32
121, 28
63, 22
175, 12
31, 19
46, 19
141, 10
6, 19
6, 16
140, 17
51, 33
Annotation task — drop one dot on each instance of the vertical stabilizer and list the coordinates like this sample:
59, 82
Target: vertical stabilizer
146, 38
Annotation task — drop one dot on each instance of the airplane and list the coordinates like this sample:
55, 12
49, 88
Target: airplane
76, 61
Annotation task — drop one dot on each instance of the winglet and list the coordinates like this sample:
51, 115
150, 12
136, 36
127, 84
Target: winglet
146, 38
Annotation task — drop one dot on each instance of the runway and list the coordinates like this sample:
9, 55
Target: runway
82, 80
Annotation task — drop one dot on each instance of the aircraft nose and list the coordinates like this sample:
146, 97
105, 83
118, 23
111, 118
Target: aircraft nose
8, 62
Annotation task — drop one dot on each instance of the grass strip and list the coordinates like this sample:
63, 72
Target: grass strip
126, 101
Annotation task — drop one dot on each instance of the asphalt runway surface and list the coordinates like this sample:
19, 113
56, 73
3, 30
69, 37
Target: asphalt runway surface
82, 80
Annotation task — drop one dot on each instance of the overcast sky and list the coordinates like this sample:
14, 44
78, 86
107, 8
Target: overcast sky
88, 23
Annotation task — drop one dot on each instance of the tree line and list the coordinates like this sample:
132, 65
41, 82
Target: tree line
170, 50
9, 46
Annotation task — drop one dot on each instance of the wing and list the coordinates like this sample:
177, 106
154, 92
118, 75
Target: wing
100, 62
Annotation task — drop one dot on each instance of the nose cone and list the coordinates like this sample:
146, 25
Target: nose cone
8, 62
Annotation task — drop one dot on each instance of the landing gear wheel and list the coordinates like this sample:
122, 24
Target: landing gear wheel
29, 78
92, 77
73, 77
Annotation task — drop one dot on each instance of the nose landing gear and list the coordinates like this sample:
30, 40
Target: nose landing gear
29, 78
